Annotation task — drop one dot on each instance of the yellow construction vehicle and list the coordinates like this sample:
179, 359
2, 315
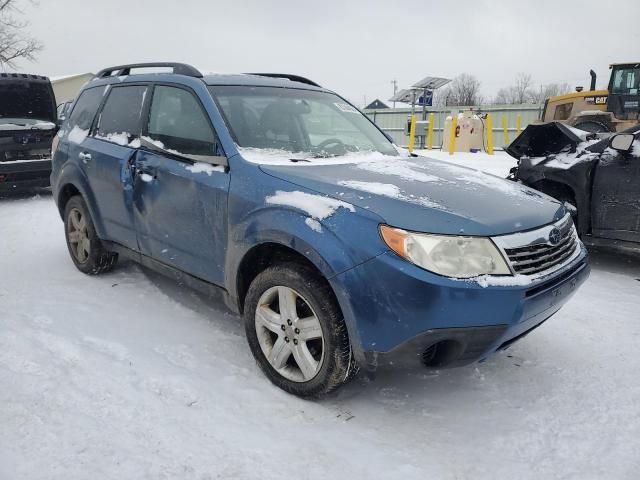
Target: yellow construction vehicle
611, 110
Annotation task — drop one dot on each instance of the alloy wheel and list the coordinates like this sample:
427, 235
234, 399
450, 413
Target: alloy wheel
78, 235
289, 334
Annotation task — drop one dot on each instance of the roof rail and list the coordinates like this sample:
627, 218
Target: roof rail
178, 68
293, 78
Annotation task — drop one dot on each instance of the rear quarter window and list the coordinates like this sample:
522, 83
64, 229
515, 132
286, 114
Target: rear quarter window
85, 108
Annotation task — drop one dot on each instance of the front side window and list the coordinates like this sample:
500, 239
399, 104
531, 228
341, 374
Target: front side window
119, 119
319, 124
178, 121
85, 108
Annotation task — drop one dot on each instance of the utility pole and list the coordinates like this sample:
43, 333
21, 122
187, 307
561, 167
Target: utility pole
395, 90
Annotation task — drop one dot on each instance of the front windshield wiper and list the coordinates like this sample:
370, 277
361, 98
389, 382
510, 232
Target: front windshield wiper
296, 160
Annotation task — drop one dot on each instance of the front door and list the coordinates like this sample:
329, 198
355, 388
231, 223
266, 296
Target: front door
181, 207
616, 196
108, 154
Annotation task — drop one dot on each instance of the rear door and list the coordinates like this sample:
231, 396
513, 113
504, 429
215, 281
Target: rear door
181, 207
108, 155
616, 196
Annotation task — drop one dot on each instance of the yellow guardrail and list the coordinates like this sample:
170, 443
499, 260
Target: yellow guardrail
489, 134
412, 134
452, 139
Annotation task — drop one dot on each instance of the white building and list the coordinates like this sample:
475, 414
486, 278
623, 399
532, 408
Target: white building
67, 87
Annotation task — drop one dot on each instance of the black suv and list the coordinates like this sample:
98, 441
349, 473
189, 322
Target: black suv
27, 128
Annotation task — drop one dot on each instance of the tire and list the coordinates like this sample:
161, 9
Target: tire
273, 332
592, 126
85, 248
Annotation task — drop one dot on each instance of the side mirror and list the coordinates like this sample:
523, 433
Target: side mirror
622, 142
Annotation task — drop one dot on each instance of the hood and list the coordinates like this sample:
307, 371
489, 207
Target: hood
427, 195
542, 139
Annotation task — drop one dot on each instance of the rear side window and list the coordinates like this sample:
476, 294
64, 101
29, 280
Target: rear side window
85, 108
119, 119
178, 121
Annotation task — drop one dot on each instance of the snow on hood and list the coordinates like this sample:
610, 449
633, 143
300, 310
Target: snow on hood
272, 156
422, 194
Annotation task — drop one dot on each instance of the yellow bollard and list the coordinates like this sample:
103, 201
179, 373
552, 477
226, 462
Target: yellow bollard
518, 124
430, 134
489, 127
412, 133
504, 130
452, 140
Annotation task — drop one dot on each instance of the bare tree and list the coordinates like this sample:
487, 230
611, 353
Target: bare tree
464, 90
519, 92
14, 43
521, 88
549, 90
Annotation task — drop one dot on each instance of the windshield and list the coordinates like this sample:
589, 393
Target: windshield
626, 81
25, 101
314, 124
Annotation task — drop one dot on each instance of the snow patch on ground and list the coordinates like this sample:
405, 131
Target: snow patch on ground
317, 206
129, 375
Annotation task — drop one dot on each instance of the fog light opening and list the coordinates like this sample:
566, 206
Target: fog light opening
442, 353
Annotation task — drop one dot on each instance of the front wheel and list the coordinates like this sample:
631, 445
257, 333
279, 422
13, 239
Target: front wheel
296, 331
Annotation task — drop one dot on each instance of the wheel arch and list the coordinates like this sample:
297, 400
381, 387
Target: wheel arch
65, 193
269, 253
72, 182
558, 190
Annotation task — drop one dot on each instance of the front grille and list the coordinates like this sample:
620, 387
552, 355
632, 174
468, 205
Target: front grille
532, 259
542, 250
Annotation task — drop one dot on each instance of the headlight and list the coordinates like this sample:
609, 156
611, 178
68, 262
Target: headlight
448, 255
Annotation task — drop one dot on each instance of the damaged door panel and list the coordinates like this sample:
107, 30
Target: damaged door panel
616, 198
180, 206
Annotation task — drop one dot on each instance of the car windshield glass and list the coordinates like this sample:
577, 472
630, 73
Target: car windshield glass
307, 123
26, 101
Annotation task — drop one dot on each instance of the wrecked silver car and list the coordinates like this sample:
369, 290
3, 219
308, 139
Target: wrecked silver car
598, 178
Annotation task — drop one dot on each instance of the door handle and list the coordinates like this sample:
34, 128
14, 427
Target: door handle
85, 156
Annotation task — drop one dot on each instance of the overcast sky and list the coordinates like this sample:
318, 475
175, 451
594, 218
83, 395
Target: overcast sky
353, 47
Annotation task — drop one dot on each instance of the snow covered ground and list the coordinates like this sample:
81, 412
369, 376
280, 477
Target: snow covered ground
130, 376
497, 164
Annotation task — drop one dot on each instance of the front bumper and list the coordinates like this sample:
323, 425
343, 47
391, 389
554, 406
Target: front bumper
401, 315
24, 174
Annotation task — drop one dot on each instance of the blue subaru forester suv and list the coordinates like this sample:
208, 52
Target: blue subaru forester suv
340, 251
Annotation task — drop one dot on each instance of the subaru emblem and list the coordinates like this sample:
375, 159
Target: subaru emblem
555, 236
